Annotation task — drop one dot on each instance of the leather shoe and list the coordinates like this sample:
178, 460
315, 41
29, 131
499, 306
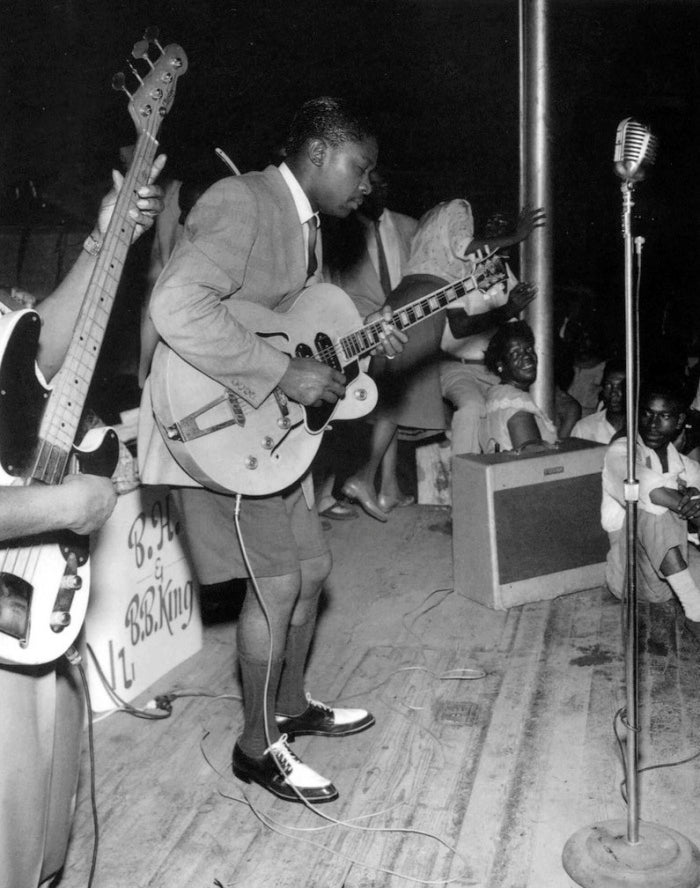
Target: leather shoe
321, 721
338, 511
358, 492
281, 773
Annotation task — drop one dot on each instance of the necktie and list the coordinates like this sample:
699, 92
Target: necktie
311, 261
383, 269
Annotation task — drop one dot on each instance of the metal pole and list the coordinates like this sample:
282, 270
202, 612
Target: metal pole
631, 499
535, 185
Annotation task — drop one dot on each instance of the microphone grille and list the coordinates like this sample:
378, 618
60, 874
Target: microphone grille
639, 143
635, 149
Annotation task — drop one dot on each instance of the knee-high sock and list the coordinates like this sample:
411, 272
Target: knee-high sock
254, 740
688, 593
291, 698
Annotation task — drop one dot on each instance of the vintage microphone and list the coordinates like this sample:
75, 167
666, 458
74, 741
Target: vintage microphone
632, 852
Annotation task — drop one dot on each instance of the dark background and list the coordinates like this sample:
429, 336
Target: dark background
440, 78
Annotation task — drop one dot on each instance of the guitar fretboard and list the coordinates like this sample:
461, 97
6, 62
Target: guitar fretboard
70, 386
362, 341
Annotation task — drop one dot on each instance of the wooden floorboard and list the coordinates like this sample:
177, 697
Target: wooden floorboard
476, 781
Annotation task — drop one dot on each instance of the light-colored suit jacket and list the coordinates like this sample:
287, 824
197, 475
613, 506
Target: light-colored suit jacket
242, 241
361, 282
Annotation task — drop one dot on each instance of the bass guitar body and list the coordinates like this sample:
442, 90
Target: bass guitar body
231, 447
44, 580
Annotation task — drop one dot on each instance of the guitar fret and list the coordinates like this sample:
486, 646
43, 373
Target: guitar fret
51, 463
365, 339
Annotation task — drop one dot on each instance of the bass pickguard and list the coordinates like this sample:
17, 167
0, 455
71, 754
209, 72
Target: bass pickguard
23, 395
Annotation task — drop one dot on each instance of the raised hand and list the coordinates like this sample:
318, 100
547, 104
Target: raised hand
528, 220
520, 297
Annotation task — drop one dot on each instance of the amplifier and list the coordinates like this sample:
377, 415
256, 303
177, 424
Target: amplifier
527, 528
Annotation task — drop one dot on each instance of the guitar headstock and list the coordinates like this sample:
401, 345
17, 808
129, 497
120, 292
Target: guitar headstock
156, 83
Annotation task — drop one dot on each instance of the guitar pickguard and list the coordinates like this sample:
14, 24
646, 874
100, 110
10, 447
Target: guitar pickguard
23, 395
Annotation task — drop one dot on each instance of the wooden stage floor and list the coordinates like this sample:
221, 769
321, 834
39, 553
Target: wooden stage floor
461, 781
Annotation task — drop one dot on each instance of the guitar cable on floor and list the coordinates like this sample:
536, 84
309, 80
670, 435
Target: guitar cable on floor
74, 658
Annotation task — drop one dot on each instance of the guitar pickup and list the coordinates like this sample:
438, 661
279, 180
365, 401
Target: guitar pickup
15, 607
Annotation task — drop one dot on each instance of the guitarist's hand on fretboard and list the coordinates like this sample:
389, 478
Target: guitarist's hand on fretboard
146, 207
309, 382
392, 340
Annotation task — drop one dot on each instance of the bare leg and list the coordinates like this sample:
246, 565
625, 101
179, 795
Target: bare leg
360, 487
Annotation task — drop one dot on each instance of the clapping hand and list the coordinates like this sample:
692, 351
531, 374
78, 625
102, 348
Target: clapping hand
520, 297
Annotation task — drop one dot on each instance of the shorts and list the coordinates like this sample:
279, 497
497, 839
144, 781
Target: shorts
278, 532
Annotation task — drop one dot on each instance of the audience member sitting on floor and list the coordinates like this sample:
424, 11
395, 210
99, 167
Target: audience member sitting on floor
610, 417
410, 393
513, 421
668, 506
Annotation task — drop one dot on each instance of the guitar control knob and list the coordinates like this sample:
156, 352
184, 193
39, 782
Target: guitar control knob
361, 394
59, 620
268, 443
251, 462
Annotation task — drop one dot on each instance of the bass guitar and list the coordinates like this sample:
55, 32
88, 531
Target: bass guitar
227, 445
44, 580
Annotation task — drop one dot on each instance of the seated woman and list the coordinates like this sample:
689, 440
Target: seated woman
513, 421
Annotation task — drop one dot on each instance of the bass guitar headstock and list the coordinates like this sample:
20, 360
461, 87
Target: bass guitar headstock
155, 83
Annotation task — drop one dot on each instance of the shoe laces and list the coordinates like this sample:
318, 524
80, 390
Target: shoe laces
317, 704
284, 756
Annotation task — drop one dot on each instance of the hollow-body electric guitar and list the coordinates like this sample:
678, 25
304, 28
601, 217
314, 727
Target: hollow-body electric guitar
44, 580
231, 447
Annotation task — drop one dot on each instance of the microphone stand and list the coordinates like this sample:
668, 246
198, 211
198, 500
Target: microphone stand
618, 853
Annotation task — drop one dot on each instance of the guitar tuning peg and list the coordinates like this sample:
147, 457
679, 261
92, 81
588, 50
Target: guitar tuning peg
151, 35
135, 72
118, 82
140, 51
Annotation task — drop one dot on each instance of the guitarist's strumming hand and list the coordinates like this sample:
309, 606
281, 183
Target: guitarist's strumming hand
309, 382
391, 340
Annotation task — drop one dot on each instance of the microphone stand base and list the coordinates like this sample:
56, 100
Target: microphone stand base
600, 856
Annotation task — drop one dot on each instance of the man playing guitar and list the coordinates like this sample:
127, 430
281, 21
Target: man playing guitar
253, 238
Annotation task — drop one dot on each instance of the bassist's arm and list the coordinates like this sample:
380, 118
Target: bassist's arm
82, 503
59, 311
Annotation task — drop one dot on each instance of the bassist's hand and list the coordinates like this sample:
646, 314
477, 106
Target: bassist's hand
309, 382
147, 203
88, 502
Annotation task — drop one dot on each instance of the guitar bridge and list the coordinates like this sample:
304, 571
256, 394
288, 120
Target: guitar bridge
225, 411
